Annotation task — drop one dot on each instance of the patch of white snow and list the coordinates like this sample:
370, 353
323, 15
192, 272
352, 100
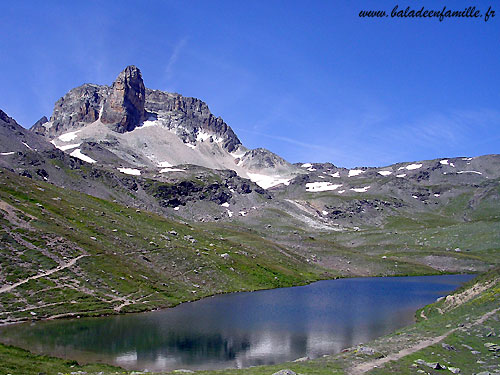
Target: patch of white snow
27, 145
265, 181
68, 137
165, 170
385, 173
321, 186
476, 172
413, 166
361, 190
355, 172
78, 154
68, 147
149, 123
131, 171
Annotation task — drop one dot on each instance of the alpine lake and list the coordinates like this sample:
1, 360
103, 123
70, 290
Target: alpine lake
241, 329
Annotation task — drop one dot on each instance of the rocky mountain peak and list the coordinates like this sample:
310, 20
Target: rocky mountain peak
124, 107
39, 123
4, 116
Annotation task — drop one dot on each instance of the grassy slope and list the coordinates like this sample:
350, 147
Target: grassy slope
17, 361
417, 240
134, 261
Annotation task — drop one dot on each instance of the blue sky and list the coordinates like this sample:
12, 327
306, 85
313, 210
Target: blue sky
309, 80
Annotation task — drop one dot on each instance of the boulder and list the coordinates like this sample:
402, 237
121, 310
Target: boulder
285, 372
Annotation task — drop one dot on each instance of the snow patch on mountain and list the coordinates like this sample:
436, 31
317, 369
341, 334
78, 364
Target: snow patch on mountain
321, 186
166, 170
469, 172
78, 154
68, 137
131, 171
412, 167
68, 147
385, 173
355, 172
27, 145
361, 190
266, 181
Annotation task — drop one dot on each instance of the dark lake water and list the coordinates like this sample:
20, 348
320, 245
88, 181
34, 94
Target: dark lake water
241, 329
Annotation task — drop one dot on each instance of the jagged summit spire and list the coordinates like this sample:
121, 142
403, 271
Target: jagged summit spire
124, 107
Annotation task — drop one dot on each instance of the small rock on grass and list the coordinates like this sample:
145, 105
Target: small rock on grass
366, 350
302, 359
454, 370
434, 365
448, 347
285, 372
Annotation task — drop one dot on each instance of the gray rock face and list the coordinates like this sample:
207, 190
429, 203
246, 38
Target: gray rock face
40, 123
261, 158
78, 107
127, 103
189, 117
15, 138
124, 107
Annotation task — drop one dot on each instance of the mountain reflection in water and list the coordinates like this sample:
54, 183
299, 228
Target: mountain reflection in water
242, 329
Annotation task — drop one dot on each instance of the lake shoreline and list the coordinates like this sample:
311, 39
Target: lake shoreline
345, 284
96, 314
